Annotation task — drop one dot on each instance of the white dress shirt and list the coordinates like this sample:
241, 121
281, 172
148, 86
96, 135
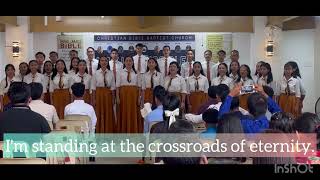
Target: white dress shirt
39, 78
262, 81
202, 82
95, 63
158, 79
123, 81
185, 67
178, 84
98, 79
86, 80
3, 88
143, 61
66, 79
294, 86
211, 66
234, 78
302, 89
119, 66
222, 80
18, 78
161, 63
79, 107
46, 110
72, 72
47, 79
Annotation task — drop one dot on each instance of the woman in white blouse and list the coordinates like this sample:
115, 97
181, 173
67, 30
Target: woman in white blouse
103, 90
222, 76
34, 75
152, 78
289, 91
296, 73
83, 77
234, 72
246, 80
197, 88
176, 84
47, 72
73, 66
23, 71
5, 84
257, 74
60, 94
128, 99
266, 78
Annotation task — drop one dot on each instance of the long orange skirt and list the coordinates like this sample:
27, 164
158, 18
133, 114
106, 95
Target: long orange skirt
104, 110
148, 95
288, 103
196, 99
87, 96
61, 98
130, 120
243, 101
5, 100
47, 98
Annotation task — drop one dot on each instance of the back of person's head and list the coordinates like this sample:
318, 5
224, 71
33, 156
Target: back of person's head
78, 89
282, 121
257, 104
171, 103
160, 93
212, 92
36, 90
19, 92
268, 90
235, 103
229, 123
181, 126
210, 116
222, 91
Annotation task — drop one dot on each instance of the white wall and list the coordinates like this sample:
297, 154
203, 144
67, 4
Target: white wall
2, 52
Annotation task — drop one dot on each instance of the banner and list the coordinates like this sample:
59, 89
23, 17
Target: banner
217, 42
153, 45
67, 43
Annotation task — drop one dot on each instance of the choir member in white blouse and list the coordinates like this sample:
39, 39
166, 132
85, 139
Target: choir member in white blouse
73, 66
197, 88
186, 67
289, 91
128, 98
5, 84
103, 90
152, 78
23, 71
257, 74
34, 75
83, 77
244, 79
47, 72
234, 72
222, 76
176, 84
266, 78
60, 94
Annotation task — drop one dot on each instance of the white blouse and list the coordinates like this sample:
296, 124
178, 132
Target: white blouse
294, 86
234, 78
3, 88
262, 81
158, 79
72, 72
222, 80
98, 79
302, 89
66, 80
86, 80
203, 84
47, 80
121, 79
178, 84
39, 78
143, 62
185, 67
161, 63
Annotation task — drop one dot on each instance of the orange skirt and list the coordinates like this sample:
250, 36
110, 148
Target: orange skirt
104, 110
47, 98
5, 99
243, 101
129, 120
61, 98
148, 95
288, 103
196, 99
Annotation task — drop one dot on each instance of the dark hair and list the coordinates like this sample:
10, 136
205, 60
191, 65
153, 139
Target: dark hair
114, 49
226, 66
201, 71
229, 123
189, 50
260, 62
181, 126
268, 90
270, 76
221, 51
72, 61
64, 70
309, 123
53, 52
212, 92
235, 51
296, 71
73, 50
124, 66
166, 46
208, 51
291, 65
5, 69
139, 45
99, 66
44, 65
90, 48
33, 61
28, 71
157, 65
222, 91
235, 103
248, 72
171, 102
257, 104
19, 92
82, 61
36, 90
238, 72
210, 116
44, 56
78, 89
160, 93
282, 121
177, 64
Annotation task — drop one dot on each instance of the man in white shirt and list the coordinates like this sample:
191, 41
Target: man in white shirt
140, 60
92, 63
37, 105
40, 58
115, 65
79, 107
165, 61
234, 55
208, 65
53, 56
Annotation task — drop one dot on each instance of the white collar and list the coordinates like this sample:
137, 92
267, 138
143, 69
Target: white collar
78, 101
38, 101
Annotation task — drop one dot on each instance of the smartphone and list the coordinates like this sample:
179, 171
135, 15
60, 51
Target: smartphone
247, 89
